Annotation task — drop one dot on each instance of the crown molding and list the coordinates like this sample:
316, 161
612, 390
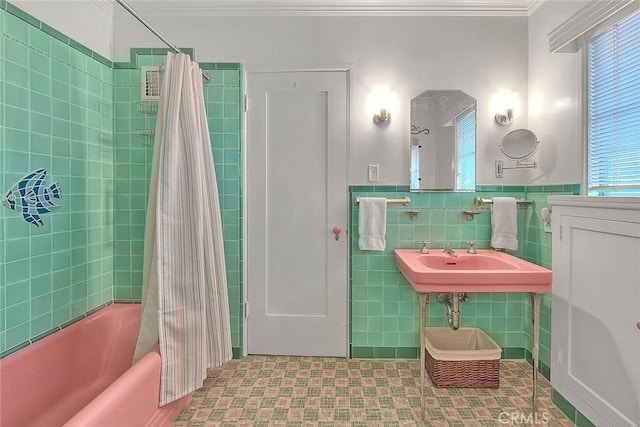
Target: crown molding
567, 37
163, 8
533, 5
105, 5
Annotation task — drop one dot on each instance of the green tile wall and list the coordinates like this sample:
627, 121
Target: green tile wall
537, 249
384, 308
57, 114
73, 112
133, 156
132, 171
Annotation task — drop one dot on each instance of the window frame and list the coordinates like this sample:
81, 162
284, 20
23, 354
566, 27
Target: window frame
584, 101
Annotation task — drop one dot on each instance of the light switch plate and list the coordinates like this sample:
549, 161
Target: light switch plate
374, 173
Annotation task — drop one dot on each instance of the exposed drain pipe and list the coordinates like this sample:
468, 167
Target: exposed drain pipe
452, 302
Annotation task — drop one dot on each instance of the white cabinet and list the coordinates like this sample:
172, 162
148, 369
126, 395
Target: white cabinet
595, 311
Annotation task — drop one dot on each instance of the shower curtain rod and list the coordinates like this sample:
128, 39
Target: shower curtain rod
155, 32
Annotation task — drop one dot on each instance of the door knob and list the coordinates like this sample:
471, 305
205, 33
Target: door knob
336, 231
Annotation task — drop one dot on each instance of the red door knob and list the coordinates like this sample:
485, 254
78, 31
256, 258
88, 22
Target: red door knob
336, 231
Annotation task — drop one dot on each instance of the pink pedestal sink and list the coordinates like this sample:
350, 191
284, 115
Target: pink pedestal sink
485, 271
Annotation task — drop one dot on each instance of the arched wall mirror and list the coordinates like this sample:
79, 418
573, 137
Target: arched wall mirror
518, 145
443, 141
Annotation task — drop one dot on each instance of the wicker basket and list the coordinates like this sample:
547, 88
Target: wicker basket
466, 358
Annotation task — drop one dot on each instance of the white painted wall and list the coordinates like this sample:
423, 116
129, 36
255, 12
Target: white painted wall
89, 22
480, 55
555, 96
408, 55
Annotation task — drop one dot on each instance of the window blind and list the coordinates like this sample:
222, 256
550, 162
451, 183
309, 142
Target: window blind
614, 110
466, 151
415, 165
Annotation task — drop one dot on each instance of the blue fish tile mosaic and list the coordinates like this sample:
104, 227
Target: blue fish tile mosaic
31, 197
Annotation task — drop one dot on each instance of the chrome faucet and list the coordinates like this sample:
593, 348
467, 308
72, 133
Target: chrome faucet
447, 249
424, 249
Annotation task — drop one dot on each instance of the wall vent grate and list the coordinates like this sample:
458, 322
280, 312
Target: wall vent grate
151, 80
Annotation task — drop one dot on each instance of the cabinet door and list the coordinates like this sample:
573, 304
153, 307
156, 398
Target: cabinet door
596, 307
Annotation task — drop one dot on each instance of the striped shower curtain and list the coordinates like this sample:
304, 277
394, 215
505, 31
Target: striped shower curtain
185, 307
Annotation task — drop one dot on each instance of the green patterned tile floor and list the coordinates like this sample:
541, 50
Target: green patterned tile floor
292, 391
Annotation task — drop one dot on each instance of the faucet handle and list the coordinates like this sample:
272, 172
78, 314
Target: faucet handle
472, 247
447, 246
424, 249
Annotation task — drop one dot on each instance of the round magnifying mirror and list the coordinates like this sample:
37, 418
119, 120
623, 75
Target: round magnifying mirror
519, 144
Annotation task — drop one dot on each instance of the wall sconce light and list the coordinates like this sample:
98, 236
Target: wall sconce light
382, 118
506, 104
504, 117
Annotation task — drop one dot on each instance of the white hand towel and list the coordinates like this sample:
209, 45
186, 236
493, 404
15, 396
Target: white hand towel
504, 223
372, 223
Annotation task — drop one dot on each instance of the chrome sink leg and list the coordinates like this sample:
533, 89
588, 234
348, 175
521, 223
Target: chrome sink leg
424, 300
535, 299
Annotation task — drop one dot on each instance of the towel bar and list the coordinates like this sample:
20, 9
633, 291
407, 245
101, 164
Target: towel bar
482, 201
404, 201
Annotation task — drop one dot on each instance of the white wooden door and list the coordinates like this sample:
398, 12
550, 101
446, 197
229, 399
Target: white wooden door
296, 166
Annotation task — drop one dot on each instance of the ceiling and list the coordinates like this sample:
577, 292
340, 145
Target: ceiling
336, 7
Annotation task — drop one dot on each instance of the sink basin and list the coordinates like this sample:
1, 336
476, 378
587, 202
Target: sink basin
480, 261
486, 271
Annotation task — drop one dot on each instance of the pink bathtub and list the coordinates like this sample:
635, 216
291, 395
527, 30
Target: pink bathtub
82, 376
